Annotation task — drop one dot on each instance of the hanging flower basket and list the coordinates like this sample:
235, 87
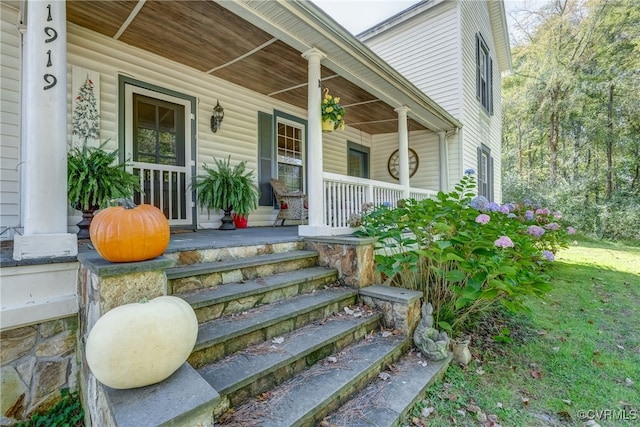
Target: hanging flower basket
332, 113
328, 125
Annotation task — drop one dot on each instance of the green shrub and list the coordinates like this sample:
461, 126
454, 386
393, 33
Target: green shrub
464, 253
66, 413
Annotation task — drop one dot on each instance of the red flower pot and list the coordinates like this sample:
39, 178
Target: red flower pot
240, 221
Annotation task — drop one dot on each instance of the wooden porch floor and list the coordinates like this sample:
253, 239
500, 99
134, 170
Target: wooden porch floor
181, 241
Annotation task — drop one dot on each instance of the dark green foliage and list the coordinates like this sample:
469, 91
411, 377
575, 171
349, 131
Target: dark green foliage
94, 177
465, 254
66, 413
225, 187
571, 113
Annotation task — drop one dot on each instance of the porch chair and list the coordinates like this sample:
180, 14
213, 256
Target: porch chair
293, 204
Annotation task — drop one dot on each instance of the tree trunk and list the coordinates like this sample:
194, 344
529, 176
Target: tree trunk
609, 187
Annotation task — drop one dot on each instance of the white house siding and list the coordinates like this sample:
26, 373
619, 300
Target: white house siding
435, 49
334, 147
479, 126
10, 54
239, 133
426, 52
425, 144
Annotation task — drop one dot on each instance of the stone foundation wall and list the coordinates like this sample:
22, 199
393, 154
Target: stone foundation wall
38, 361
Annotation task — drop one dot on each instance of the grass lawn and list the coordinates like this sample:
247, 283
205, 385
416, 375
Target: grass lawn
574, 357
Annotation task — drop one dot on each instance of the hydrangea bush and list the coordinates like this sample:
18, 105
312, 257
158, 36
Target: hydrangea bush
465, 253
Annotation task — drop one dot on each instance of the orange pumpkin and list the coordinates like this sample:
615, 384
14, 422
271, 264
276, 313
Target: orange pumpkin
129, 233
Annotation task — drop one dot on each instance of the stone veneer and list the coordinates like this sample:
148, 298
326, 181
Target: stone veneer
353, 257
400, 307
37, 362
102, 286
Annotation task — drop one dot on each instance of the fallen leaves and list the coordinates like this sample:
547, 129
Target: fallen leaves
536, 374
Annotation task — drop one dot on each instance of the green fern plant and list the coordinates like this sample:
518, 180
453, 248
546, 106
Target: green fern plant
95, 176
226, 187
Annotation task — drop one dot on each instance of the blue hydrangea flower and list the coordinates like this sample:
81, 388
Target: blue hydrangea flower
469, 171
479, 203
548, 255
528, 215
493, 207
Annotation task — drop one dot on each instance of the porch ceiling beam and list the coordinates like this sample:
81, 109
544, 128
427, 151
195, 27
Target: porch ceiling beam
129, 19
355, 104
299, 86
241, 57
373, 122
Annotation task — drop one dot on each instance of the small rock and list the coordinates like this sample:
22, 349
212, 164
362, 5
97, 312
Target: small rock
384, 376
427, 411
628, 382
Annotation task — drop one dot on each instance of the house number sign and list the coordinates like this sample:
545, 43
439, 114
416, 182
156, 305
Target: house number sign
51, 34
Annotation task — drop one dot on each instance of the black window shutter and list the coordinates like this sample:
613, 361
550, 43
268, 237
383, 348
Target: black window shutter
265, 158
490, 86
490, 178
478, 93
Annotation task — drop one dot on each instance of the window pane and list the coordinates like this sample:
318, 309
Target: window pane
290, 156
290, 175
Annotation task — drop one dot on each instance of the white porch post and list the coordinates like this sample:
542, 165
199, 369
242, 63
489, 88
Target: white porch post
44, 136
444, 161
315, 192
403, 149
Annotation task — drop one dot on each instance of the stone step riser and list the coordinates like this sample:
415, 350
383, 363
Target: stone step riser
211, 352
232, 275
197, 256
215, 310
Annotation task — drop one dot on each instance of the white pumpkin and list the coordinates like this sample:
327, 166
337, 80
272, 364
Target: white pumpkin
140, 344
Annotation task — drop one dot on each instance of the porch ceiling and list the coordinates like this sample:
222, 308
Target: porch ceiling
210, 38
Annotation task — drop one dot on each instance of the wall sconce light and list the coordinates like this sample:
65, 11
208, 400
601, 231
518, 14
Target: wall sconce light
216, 119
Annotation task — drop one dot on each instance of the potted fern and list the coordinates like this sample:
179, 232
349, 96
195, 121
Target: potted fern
227, 188
94, 177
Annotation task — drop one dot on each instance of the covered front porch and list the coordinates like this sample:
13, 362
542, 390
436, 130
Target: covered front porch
267, 63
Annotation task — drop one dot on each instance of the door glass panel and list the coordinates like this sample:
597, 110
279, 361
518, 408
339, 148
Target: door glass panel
159, 131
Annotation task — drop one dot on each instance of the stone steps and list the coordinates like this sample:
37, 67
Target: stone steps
277, 344
387, 399
218, 301
221, 337
259, 368
282, 343
312, 394
202, 275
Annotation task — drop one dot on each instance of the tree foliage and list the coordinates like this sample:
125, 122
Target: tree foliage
572, 113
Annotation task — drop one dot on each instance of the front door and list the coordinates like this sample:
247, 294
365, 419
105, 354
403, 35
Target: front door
158, 141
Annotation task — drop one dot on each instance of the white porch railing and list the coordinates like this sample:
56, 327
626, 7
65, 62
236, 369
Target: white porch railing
346, 195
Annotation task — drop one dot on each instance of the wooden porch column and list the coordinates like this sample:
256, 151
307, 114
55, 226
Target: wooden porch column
403, 149
44, 135
315, 191
444, 161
